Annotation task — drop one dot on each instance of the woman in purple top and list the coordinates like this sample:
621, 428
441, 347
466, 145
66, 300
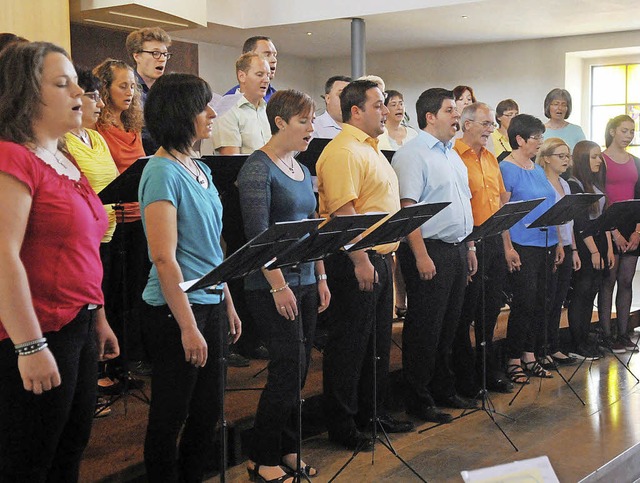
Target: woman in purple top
622, 183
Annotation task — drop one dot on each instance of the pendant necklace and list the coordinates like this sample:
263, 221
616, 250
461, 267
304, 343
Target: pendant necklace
290, 168
197, 175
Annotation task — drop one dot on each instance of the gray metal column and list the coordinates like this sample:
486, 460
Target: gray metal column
358, 52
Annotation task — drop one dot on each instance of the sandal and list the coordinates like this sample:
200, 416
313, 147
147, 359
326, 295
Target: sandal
515, 373
533, 368
307, 471
254, 475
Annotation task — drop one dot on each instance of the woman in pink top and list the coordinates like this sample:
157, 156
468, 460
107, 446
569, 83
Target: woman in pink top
622, 183
51, 224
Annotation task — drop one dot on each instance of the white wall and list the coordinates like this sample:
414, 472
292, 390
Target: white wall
524, 70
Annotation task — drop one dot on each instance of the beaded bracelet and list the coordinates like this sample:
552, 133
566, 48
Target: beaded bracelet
27, 345
276, 290
38, 348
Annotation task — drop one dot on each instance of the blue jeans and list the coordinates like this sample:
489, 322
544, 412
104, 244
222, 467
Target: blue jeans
42, 438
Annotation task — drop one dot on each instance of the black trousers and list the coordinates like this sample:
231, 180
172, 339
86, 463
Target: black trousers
348, 355
275, 430
128, 274
586, 284
432, 318
467, 362
560, 282
183, 397
42, 437
529, 293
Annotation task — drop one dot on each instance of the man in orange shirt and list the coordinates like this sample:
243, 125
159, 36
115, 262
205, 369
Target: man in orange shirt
487, 196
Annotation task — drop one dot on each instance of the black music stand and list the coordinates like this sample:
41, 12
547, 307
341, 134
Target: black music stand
565, 210
619, 214
249, 258
328, 239
503, 219
393, 229
124, 189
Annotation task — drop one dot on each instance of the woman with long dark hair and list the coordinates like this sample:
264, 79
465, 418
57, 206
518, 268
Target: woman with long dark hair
594, 248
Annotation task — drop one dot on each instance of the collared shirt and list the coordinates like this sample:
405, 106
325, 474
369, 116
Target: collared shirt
244, 126
432, 172
149, 144
352, 168
270, 91
325, 127
485, 181
500, 143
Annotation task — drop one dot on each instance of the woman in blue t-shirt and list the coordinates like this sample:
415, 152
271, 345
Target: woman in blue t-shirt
525, 180
274, 187
182, 218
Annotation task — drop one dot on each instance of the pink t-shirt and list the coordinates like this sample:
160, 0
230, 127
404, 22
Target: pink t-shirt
60, 250
621, 179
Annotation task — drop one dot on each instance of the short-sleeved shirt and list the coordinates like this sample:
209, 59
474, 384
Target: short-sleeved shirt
352, 168
387, 143
61, 246
268, 196
524, 184
430, 171
325, 127
199, 220
244, 126
97, 165
485, 181
571, 134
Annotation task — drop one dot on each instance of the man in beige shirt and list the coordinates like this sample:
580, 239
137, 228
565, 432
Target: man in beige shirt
245, 127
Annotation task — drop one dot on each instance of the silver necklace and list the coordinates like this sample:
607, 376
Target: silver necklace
55, 156
197, 175
83, 136
290, 168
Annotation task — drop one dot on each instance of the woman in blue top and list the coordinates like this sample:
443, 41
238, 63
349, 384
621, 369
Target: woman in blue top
525, 180
557, 108
182, 218
274, 187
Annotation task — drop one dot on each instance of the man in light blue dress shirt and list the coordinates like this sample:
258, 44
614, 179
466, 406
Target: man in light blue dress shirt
434, 261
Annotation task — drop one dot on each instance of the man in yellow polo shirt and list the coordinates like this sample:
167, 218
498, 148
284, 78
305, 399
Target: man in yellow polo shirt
355, 177
487, 196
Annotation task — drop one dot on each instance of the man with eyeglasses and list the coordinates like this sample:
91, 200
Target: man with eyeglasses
149, 49
435, 261
488, 194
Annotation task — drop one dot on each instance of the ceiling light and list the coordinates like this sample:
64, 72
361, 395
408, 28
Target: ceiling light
309, 34
150, 19
465, 17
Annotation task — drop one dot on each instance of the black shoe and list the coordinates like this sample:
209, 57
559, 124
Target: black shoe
140, 368
260, 352
564, 361
586, 353
457, 402
430, 413
392, 425
500, 385
352, 440
236, 360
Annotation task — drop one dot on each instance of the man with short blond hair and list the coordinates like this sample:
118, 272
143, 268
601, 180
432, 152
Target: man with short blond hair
263, 46
245, 127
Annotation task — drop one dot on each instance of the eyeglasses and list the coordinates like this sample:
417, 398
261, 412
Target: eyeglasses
94, 96
537, 137
156, 54
485, 124
561, 156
